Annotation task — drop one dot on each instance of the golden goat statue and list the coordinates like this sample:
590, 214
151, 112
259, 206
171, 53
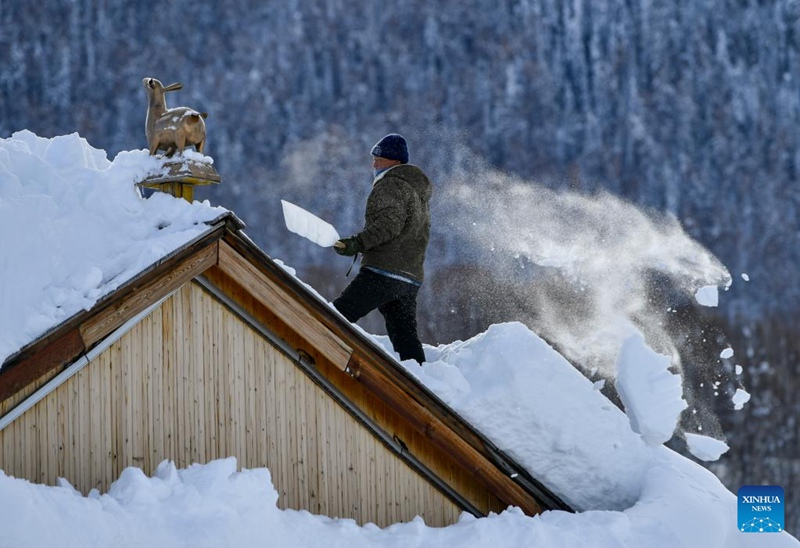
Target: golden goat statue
171, 129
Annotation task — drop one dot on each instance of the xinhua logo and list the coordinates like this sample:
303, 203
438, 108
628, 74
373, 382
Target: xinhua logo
761, 509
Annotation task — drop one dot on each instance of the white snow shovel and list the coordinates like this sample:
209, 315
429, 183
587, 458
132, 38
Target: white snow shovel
309, 226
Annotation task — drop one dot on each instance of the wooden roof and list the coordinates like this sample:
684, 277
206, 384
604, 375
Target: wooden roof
223, 253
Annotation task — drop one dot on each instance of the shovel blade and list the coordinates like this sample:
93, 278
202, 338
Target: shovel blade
308, 225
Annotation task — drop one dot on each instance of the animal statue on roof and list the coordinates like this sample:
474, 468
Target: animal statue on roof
171, 129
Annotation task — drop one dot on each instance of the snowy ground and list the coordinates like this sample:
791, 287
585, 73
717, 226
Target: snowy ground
82, 231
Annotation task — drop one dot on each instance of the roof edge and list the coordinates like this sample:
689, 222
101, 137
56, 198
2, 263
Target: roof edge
216, 230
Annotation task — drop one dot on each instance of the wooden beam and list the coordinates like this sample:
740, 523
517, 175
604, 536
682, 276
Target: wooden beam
117, 313
63, 351
284, 305
427, 424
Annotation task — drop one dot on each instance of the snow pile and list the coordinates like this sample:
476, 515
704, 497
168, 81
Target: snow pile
213, 505
652, 396
80, 229
523, 395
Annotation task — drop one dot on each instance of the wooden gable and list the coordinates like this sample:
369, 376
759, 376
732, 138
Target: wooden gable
218, 352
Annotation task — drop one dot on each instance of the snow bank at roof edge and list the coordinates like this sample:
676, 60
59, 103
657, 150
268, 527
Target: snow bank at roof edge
214, 505
78, 229
536, 407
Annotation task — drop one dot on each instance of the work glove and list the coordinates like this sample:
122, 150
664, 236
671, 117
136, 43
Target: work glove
352, 246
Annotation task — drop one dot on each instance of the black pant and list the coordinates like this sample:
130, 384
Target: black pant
395, 299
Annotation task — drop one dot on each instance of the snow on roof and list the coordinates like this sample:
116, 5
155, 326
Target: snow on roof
75, 228
80, 230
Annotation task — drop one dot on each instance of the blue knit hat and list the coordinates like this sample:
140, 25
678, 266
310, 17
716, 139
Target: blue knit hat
391, 147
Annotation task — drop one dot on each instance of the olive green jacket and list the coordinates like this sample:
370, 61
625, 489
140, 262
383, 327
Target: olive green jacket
398, 222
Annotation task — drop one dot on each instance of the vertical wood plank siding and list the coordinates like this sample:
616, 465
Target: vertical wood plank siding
436, 459
192, 382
